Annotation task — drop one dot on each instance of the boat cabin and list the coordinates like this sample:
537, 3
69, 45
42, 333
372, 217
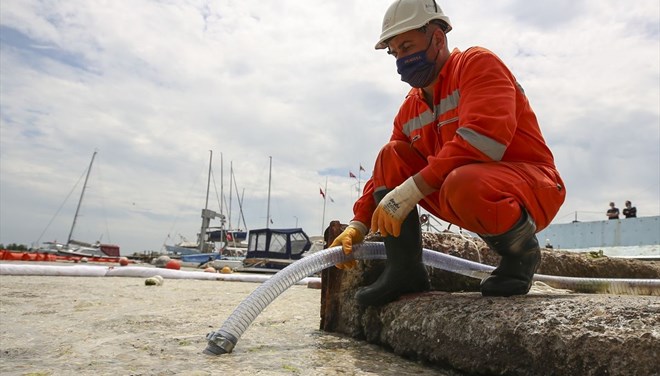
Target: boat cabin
274, 249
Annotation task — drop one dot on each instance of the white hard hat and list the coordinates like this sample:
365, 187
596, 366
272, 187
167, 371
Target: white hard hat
406, 15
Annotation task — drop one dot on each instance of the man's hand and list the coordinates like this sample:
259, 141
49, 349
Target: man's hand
394, 208
353, 234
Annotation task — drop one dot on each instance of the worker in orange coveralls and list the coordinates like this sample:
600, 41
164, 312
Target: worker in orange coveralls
467, 147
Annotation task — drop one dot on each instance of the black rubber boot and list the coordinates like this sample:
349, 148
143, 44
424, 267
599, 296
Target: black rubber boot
404, 271
521, 256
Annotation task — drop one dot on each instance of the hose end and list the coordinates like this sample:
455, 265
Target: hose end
219, 343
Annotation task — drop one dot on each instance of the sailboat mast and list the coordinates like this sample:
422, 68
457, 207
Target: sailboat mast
75, 217
222, 184
241, 216
231, 196
202, 233
270, 169
208, 180
239, 199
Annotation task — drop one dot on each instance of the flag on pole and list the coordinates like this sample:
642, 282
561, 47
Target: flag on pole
350, 175
361, 168
322, 193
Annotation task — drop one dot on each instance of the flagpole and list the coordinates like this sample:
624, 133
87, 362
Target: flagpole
324, 201
359, 177
270, 169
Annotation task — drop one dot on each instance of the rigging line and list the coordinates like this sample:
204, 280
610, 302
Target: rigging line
461, 232
240, 202
647, 188
193, 183
103, 203
218, 198
240, 205
215, 189
574, 212
564, 216
80, 200
62, 205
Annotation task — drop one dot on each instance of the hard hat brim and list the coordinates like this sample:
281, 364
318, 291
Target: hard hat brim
396, 30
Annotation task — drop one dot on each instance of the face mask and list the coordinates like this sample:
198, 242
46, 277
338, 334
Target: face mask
416, 69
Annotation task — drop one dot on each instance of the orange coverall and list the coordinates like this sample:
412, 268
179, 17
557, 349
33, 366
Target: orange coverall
480, 146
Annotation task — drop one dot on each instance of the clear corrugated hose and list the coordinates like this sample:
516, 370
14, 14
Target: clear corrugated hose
224, 339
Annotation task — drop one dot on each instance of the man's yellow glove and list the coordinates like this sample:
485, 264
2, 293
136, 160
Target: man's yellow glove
394, 208
353, 234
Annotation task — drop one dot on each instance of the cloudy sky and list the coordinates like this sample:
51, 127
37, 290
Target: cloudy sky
153, 86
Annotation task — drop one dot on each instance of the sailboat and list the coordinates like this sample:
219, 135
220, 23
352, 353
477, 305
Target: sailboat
270, 250
202, 245
78, 248
234, 238
204, 250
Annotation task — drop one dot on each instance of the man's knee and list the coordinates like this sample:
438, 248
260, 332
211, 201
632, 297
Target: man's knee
398, 150
396, 162
484, 197
464, 183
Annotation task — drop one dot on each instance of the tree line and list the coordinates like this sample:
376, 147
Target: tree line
14, 247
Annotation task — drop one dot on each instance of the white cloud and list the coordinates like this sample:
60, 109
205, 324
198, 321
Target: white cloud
155, 85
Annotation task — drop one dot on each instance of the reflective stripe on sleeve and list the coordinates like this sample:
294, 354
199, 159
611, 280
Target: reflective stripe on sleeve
486, 145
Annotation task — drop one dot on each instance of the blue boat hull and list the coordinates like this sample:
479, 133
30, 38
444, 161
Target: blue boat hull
201, 257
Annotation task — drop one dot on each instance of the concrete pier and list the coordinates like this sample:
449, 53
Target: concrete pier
547, 332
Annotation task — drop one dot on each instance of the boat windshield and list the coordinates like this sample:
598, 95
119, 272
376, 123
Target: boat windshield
298, 243
257, 241
278, 243
282, 242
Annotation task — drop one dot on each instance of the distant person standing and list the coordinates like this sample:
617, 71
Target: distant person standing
630, 211
613, 212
